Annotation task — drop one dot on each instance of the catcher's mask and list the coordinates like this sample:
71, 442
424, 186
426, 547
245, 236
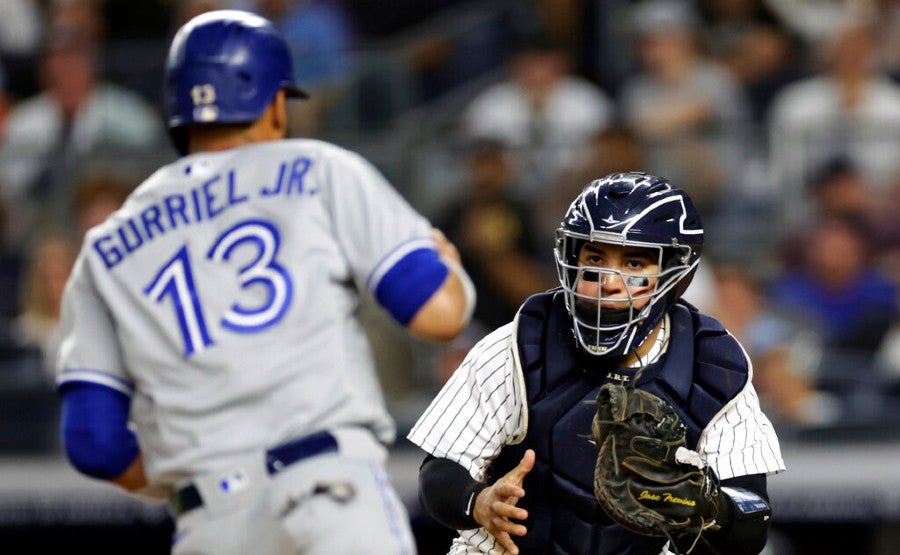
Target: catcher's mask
633, 209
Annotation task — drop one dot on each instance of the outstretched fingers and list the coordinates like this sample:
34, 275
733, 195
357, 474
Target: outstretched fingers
495, 507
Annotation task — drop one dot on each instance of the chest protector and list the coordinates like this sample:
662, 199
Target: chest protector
703, 369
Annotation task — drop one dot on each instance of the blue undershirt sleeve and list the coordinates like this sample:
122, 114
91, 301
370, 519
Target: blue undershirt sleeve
95, 429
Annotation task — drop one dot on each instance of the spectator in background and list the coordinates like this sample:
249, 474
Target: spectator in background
813, 20
838, 187
724, 21
784, 353
21, 29
134, 44
542, 110
756, 47
49, 262
614, 149
321, 37
494, 229
848, 108
186, 10
96, 197
567, 23
888, 47
838, 289
5, 101
887, 233
841, 292
84, 16
11, 265
688, 110
76, 118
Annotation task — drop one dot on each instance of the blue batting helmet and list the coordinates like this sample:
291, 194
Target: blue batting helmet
634, 209
225, 66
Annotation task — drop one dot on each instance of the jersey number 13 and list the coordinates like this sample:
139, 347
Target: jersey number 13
176, 281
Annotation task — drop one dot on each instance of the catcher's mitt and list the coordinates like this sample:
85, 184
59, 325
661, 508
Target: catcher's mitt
645, 478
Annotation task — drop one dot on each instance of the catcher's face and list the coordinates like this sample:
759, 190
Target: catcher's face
617, 277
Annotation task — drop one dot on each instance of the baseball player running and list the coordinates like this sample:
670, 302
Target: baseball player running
510, 463
212, 352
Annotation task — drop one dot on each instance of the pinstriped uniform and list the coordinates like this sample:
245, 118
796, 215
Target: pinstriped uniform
482, 408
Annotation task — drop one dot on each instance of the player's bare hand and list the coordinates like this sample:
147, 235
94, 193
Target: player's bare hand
496, 505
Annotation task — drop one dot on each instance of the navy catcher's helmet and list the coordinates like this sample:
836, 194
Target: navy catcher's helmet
225, 66
627, 209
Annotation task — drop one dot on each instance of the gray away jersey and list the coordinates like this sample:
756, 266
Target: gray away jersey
221, 299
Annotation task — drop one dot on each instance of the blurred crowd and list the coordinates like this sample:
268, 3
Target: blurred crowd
781, 118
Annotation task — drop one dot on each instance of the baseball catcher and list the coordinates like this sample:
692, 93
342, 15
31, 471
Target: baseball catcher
645, 478
683, 449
